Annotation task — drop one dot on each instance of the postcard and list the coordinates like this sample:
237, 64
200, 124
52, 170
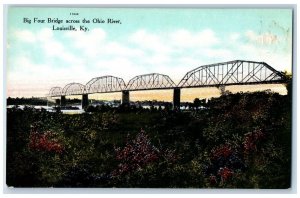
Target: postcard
149, 97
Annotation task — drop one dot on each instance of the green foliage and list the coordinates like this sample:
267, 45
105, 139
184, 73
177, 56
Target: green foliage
26, 101
239, 140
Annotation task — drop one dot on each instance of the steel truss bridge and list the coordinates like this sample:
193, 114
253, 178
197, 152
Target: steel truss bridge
237, 72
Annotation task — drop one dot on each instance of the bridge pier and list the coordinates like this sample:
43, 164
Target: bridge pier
176, 98
57, 102
84, 101
222, 89
125, 97
62, 100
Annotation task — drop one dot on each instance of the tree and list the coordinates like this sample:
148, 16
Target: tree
197, 103
288, 84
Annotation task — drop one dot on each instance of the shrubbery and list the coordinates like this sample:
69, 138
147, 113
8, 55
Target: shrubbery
239, 140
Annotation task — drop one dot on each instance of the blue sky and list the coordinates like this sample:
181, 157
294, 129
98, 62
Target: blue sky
169, 41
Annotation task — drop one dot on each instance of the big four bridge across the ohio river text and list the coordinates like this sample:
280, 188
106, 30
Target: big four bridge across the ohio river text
237, 72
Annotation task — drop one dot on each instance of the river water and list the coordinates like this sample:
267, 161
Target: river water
74, 111
50, 109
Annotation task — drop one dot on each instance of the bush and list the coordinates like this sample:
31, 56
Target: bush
239, 140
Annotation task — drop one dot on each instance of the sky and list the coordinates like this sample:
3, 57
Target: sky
147, 40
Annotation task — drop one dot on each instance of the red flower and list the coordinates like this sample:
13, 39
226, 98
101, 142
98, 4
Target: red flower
222, 151
136, 154
44, 142
225, 173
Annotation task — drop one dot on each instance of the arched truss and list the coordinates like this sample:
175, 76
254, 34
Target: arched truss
231, 73
73, 89
150, 82
55, 91
105, 84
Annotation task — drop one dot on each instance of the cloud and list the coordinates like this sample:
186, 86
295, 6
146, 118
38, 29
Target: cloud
84, 39
29, 78
279, 60
54, 48
88, 42
45, 40
270, 53
219, 53
185, 38
169, 50
79, 56
28, 66
117, 49
149, 41
44, 34
120, 67
25, 36
234, 36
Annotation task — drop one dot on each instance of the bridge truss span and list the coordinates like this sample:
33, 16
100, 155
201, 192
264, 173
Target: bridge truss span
55, 91
105, 84
73, 89
236, 72
151, 81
